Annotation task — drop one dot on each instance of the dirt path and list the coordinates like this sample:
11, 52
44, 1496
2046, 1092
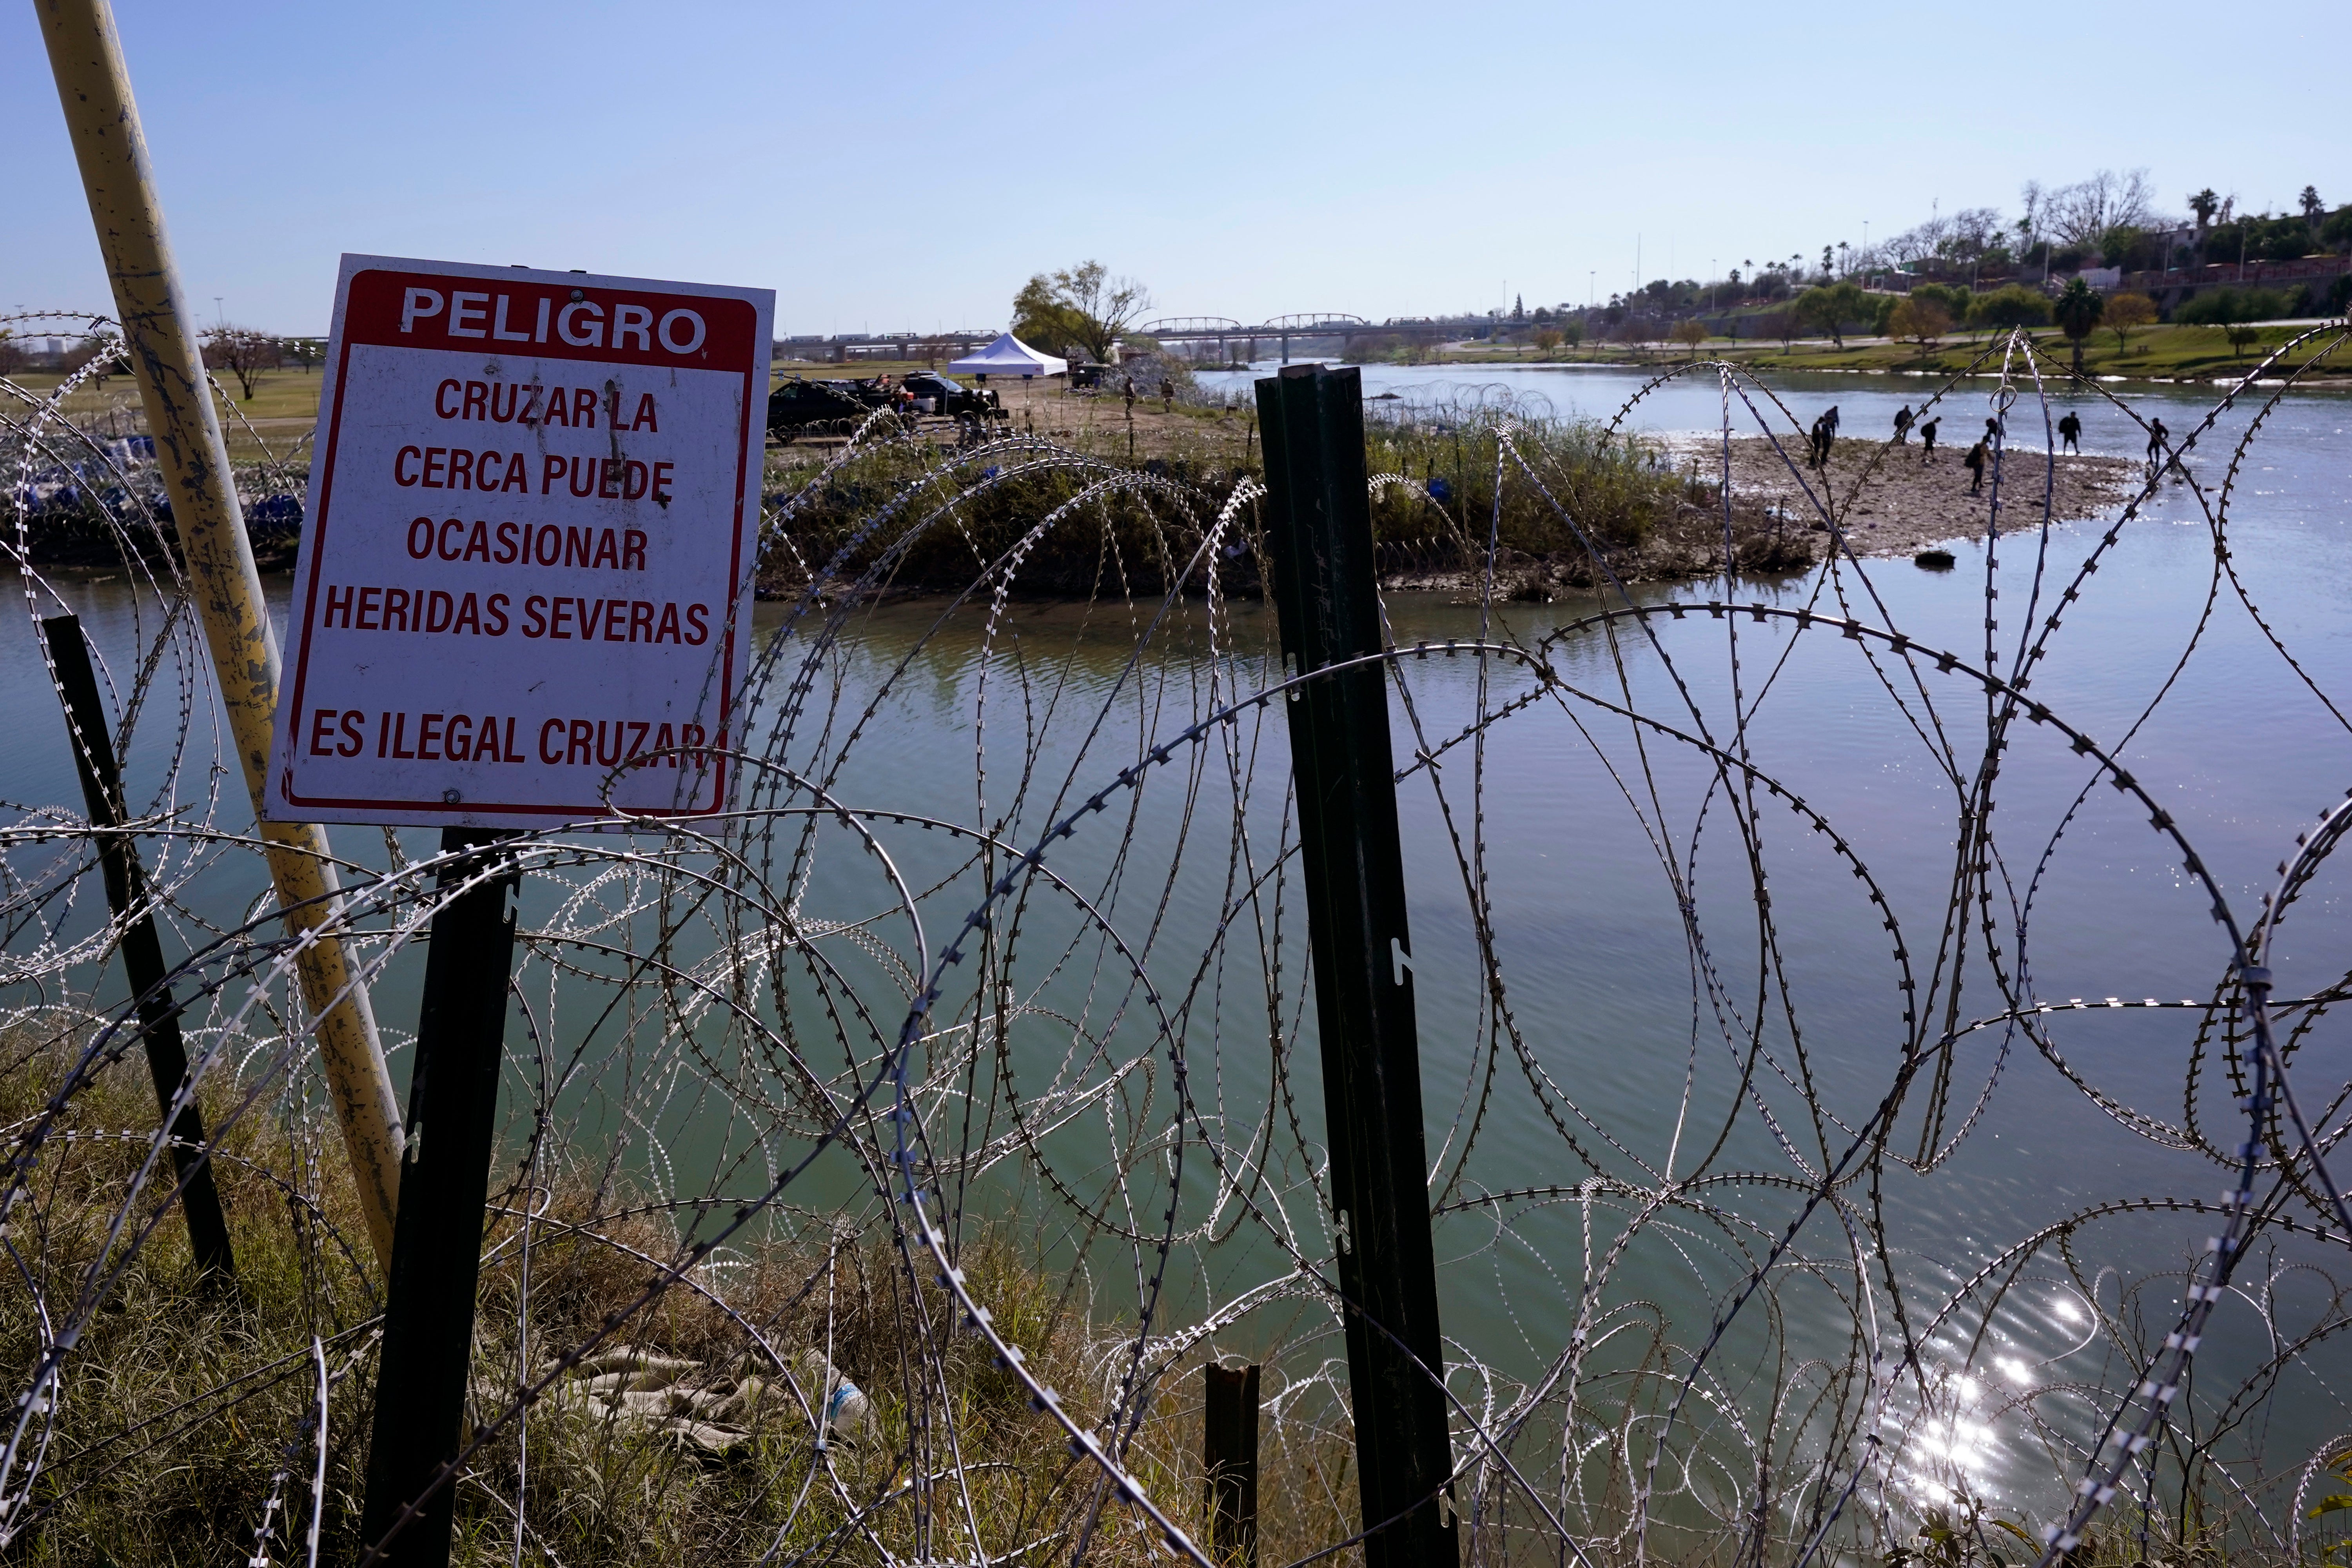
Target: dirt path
1890, 502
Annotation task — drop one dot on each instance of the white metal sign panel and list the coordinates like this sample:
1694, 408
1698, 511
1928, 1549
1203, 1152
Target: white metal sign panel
525, 588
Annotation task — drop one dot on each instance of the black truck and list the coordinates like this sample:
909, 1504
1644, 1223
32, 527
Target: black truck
818, 408
950, 399
837, 408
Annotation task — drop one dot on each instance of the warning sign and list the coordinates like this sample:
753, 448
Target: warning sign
525, 588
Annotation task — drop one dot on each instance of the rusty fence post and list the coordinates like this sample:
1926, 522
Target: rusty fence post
1228, 1463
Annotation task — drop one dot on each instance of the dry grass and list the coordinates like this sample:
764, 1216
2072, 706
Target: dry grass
183, 1407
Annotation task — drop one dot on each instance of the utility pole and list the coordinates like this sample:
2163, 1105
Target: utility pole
1352, 865
94, 85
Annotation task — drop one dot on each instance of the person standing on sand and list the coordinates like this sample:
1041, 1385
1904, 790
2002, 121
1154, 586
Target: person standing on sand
1975, 464
1903, 425
1928, 439
1828, 427
2070, 433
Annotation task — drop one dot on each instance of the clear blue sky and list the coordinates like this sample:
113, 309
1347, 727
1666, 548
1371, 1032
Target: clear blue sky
907, 165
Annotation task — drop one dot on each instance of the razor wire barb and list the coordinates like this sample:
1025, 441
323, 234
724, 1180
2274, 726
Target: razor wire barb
969, 1051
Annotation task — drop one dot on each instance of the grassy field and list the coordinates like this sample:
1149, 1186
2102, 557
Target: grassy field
285, 403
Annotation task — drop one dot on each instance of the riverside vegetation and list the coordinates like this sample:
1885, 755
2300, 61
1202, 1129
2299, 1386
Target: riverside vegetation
1637, 516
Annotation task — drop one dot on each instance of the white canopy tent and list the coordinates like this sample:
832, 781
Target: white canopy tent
1008, 355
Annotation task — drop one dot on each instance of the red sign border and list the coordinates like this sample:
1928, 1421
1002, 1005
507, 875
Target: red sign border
316, 528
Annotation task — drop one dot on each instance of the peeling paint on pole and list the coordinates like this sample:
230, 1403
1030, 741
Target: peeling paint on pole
94, 87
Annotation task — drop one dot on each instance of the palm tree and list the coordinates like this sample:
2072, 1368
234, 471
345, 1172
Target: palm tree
2204, 203
2077, 310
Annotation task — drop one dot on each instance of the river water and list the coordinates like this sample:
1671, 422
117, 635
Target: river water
1643, 1015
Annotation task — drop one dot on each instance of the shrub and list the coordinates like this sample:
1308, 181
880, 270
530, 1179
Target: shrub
2221, 307
1922, 320
2012, 306
1948, 298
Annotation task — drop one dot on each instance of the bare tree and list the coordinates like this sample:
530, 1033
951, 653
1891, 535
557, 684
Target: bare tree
2081, 214
1974, 230
243, 353
2029, 223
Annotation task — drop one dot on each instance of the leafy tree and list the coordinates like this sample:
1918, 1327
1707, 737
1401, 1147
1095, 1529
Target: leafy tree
2078, 309
1780, 324
1829, 307
2240, 336
1079, 307
2313, 207
1950, 298
2013, 305
1547, 340
1921, 320
1041, 320
1688, 331
2336, 232
2125, 311
1572, 333
2118, 247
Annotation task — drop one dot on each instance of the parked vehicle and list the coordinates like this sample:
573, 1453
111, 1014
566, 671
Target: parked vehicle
949, 398
817, 407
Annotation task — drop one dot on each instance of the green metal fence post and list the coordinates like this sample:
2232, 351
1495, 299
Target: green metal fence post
1319, 528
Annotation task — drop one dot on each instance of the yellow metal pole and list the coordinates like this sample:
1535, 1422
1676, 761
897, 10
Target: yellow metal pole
86, 55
